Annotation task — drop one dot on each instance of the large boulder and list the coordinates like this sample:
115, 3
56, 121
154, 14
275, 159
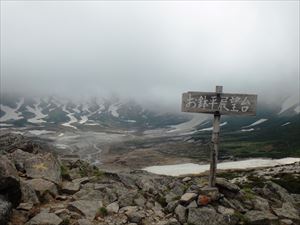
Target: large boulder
9, 181
222, 183
205, 216
18, 157
43, 166
287, 211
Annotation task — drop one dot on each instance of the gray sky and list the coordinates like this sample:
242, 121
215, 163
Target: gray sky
152, 51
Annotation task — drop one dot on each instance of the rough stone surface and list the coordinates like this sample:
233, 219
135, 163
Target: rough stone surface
204, 216
287, 211
85, 207
45, 219
9, 181
222, 183
187, 198
113, 207
43, 166
180, 211
5, 210
259, 217
42, 187
70, 187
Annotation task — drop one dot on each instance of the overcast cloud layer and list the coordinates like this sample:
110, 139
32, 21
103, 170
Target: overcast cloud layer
150, 50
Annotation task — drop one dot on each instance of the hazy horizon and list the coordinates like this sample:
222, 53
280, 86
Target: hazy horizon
150, 51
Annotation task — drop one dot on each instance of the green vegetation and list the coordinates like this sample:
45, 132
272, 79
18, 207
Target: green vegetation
64, 172
65, 221
248, 193
102, 212
291, 182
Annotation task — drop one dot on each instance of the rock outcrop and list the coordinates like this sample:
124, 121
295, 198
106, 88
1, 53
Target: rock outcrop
76, 193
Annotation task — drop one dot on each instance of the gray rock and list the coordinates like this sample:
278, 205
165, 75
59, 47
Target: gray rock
204, 216
222, 183
180, 211
135, 216
25, 206
45, 219
193, 204
28, 193
9, 181
186, 179
18, 157
287, 211
113, 208
88, 208
225, 211
42, 187
187, 198
70, 187
285, 222
127, 199
171, 206
259, 217
276, 189
5, 210
43, 166
261, 204
84, 222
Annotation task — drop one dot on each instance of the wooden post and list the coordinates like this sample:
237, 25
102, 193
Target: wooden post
215, 142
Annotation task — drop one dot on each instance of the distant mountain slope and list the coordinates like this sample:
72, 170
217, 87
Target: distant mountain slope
20, 111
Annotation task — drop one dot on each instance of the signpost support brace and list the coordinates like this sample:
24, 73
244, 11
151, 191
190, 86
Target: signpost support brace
215, 143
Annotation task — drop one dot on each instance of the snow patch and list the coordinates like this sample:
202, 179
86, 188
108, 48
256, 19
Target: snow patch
37, 112
287, 123
40, 132
72, 119
211, 128
189, 125
11, 113
256, 123
192, 168
113, 109
84, 119
247, 130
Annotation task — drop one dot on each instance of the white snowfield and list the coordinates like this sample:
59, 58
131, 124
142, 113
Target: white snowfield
72, 118
113, 109
11, 113
247, 130
189, 125
192, 168
37, 112
211, 128
256, 123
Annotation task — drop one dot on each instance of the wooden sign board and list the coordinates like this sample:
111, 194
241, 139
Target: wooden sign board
224, 103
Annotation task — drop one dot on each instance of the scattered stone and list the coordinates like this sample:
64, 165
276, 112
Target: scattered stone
87, 208
287, 211
225, 211
113, 208
260, 217
180, 211
222, 183
42, 187
261, 204
285, 222
187, 198
28, 193
45, 219
70, 187
186, 179
25, 206
204, 216
193, 204
212, 192
135, 216
84, 222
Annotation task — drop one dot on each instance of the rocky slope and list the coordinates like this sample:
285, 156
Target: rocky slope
36, 188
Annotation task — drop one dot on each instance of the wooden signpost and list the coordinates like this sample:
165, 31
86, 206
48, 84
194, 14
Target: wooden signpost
218, 103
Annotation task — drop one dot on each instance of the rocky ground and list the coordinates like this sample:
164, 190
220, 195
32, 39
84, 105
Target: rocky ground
36, 188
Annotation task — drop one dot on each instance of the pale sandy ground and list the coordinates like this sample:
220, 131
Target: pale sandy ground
191, 168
